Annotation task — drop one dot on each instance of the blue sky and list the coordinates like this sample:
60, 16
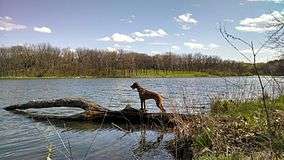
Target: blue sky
156, 26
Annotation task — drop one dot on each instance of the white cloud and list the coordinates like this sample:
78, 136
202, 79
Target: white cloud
254, 29
117, 37
174, 47
129, 19
179, 34
42, 29
201, 46
260, 24
151, 33
138, 39
104, 39
8, 18
228, 20
266, 51
265, 54
154, 53
111, 49
124, 47
132, 16
194, 45
134, 37
72, 50
7, 24
116, 45
275, 1
185, 20
159, 43
213, 46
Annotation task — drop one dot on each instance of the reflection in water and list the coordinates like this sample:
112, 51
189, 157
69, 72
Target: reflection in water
104, 141
180, 148
24, 138
144, 146
150, 139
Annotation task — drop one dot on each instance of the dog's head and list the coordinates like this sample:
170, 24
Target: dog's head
134, 85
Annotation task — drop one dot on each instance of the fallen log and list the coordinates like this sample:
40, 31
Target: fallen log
94, 112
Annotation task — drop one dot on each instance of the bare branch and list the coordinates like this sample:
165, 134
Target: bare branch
226, 36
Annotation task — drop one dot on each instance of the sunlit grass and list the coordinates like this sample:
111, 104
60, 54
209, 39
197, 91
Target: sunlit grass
236, 130
170, 74
150, 73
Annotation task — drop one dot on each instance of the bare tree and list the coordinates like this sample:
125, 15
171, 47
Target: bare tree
276, 39
231, 40
46, 60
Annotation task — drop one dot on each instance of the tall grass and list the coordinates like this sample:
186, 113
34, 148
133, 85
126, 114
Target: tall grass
234, 130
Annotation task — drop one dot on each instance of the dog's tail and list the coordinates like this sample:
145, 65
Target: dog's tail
164, 97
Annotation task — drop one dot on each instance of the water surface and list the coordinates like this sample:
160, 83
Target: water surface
25, 138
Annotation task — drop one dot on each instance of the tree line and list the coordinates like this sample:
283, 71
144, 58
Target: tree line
43, 60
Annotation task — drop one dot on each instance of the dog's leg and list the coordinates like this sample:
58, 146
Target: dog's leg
162, 108
145, 106
142, 101
160, 105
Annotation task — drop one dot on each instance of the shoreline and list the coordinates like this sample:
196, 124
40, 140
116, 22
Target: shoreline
135, 77
138, 77
150, 74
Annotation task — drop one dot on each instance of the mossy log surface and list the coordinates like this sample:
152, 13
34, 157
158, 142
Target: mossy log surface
94, 112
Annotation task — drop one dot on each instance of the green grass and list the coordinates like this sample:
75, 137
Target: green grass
279, 103
245, 108
252, 111
251, 118
118, 74
30, 78
238, 130
234, 156
170, 74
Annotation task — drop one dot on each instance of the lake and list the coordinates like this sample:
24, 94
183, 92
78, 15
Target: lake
24, 138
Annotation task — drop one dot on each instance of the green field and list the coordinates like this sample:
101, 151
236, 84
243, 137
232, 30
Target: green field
118, 74
238, 130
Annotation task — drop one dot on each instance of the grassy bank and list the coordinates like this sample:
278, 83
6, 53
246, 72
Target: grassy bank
169, 74
235, 130
119, 74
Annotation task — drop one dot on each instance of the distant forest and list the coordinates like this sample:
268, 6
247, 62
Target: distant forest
44, 60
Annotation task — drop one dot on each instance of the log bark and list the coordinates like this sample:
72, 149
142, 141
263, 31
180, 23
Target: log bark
95, 112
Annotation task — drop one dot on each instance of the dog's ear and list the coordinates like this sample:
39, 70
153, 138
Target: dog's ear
134, 85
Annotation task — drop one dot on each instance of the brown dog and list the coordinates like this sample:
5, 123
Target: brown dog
145, 94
